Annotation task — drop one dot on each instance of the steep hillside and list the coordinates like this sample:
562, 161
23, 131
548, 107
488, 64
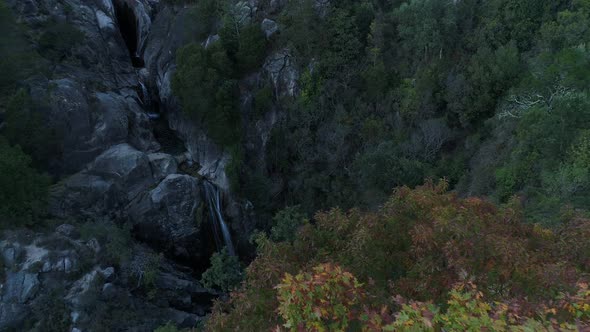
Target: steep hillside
146, 144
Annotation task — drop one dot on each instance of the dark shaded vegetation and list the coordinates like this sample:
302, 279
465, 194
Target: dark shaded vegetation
489, 95
23, 191
28, 146
477, 263
492, 96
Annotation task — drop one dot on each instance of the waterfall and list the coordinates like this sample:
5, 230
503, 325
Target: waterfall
146, 101
213, 198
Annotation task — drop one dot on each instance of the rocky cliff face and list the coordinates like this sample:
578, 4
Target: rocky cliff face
61, 280
129, 156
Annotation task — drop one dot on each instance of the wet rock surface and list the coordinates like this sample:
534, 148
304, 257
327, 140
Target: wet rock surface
113, 171
167, 217
129, 159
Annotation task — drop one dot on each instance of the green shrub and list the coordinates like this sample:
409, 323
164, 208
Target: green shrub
51, 313
203, 16
387, 166
23, 191
252, 48
17, 58
286, 222
150, 275
169, 327
27, 127
207, 93
58, 40
263, 100
225, 272
115, 240
232, 169
244, 44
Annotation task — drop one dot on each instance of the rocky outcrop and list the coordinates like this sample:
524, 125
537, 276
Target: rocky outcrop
167, 217
90, 295
113, 168
115, 178
162, 165
203, 151
19, 287
124, 183
127, 167
269, 27
103, 55
168, 33
91, 99
170, 30
123, 117
283, 74
245, 11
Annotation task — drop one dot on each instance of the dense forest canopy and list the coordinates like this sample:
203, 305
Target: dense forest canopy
491, 95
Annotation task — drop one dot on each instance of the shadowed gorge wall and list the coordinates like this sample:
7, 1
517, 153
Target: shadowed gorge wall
127, 22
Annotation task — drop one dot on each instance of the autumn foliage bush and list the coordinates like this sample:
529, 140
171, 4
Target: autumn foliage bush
424, 244
333, 300
329, 297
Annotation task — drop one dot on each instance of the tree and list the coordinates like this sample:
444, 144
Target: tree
18, 60
251, 49
324, 300
489, 73
208, 93
545, 134
26, 126
344, 47
23, 191
286, 222
225, 272
426, 28
303, 31
58, 40
386, 167
205, 14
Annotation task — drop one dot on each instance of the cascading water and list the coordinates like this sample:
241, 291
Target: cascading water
129, 26
213, 198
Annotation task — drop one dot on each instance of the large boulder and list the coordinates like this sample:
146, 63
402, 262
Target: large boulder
167, 217
19, 287
128, 167
121, 118
162, 165
283, 73
114, 179
269, 27
88, 123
